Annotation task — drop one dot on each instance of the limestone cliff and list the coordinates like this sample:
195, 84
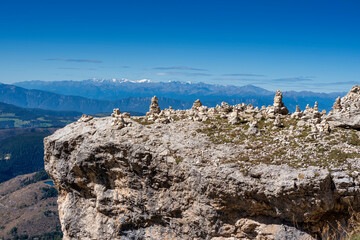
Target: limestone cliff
230, 172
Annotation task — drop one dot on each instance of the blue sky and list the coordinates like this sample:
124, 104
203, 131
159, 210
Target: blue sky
289, 45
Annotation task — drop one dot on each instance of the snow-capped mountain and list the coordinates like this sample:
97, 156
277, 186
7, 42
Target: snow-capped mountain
121, 80
209, 94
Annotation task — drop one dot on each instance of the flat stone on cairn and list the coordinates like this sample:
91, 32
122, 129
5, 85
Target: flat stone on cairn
196, 104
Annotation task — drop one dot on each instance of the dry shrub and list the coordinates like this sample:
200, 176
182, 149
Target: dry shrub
342, 230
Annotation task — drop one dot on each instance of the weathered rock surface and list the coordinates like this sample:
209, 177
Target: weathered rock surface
230, 172
346, 111
117, 184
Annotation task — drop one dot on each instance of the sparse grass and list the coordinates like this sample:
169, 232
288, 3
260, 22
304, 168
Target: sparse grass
305, 133
290, 122
178, 159
142, 121
264, 124
351, 138
298, 147
338, 156
333, 142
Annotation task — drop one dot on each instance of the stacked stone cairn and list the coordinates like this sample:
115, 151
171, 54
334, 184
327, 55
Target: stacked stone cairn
244, 113
345, 113
118, 119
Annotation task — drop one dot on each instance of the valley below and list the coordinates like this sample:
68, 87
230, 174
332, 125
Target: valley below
28, 208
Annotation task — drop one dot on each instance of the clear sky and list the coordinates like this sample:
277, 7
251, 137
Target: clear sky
288, 45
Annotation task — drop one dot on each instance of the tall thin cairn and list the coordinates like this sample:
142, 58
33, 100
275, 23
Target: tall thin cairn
279, 106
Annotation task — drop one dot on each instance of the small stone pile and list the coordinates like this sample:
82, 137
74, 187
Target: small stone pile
118, 121
337, 105
311, 117
196, 104
154, 109
85, 118
154, 106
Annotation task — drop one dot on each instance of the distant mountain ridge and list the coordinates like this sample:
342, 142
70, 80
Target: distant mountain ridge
93, 96
26, 98
115, 90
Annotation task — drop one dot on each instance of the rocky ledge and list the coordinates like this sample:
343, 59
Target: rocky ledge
230, 172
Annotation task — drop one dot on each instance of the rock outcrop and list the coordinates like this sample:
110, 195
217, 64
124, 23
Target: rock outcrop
229, 172
346, 111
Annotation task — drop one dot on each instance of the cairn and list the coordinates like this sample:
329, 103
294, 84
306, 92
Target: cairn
116, 112
196, 104
298, 113
279, 106
225, 107
118, 120
154, 106
337, 105
316, 106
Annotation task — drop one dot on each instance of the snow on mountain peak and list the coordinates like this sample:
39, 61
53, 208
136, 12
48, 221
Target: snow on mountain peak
144, 80
122, 80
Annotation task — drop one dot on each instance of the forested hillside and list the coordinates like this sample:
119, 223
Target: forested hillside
16, 117
21, 154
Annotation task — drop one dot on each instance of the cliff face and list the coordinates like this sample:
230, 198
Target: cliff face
204, 173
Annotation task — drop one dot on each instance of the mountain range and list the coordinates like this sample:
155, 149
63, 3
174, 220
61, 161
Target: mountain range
117, 89
32, 98
94, 96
